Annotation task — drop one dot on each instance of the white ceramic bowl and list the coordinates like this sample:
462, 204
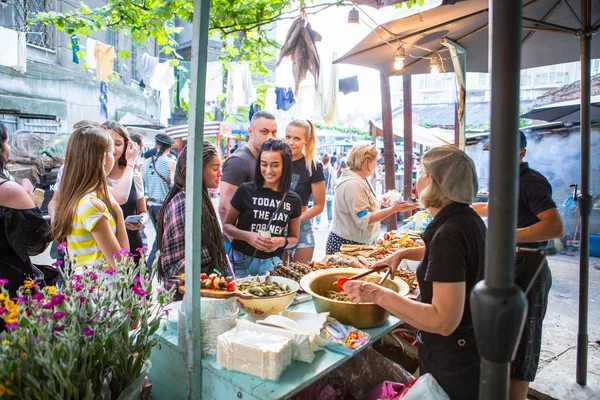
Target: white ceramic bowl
262, 307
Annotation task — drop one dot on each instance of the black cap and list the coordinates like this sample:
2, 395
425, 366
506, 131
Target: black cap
163, 138
523, 142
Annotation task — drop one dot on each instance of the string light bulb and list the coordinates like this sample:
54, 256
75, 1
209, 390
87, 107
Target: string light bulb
434, 66
399, 59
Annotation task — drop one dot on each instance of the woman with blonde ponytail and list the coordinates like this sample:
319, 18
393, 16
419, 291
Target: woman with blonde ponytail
307, 180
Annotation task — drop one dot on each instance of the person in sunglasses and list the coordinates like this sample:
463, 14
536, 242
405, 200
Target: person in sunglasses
261, 211
357, 213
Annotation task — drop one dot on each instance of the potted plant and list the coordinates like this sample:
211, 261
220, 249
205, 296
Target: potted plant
90, 339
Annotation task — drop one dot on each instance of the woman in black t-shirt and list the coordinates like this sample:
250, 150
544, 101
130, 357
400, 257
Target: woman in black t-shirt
452, 262
261, 211
307, 180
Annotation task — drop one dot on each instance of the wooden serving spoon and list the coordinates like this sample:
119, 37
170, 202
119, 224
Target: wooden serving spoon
340, 282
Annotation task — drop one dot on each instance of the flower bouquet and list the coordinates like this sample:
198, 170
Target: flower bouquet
89, 339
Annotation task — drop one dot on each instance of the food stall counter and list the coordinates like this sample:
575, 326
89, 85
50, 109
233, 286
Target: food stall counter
169, 373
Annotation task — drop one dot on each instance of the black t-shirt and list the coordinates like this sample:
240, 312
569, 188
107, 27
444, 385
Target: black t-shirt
256, 205
302, 181
455, 252
239, 167
535, 196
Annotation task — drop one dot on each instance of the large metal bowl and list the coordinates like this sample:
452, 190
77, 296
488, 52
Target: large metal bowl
359, 315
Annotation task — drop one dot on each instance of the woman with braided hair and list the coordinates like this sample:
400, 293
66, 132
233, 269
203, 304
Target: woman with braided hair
170, 233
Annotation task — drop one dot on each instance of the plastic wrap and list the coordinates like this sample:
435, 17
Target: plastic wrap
256, 353
218, 316
426, 388
303, 344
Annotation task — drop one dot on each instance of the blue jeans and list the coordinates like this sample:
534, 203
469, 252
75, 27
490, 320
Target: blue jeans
153, 211
243, 267
306, 236
328, 204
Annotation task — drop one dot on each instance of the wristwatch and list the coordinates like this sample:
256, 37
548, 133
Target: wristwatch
287, 242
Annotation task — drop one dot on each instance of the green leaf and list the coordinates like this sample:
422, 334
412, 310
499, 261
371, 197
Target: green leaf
124, 53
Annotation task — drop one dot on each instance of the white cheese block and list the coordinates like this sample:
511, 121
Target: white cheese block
256, 353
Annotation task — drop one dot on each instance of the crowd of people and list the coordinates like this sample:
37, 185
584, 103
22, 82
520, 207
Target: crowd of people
104, 196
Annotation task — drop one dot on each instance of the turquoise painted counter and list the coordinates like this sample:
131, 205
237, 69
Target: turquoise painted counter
169, 381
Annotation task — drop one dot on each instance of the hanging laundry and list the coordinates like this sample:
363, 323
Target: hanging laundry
285, 98
184, 93
214, 80
147, 67
240, 89
10, 47
105, 56
90, 53
329, 95
22, 53
104, 99
254, 108
163, 80
75, 48
349, 85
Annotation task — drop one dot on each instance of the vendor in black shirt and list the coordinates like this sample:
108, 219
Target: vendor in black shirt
307, 179
261, 211
452, 262
538, 221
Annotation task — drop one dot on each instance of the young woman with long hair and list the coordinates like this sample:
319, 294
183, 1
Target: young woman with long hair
170, 234
261, 211
87, 215
307, 180
23, 230
122, 174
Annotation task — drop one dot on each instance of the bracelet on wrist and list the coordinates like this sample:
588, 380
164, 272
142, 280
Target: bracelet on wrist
287, 242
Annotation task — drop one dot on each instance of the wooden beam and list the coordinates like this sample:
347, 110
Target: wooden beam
408, 139
193, 209
388, 143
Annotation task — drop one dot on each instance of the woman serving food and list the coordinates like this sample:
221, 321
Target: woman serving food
452, 262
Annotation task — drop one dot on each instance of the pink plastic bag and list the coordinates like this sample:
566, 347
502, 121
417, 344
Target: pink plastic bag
386, 391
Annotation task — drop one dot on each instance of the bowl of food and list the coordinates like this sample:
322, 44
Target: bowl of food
273, 294
322, 286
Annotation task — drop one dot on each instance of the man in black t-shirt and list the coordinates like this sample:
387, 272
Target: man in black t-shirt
538, 221
239, 167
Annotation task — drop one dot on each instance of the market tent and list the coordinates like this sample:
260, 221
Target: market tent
565, 111
424, 136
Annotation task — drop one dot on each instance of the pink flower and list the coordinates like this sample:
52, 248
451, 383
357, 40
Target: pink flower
110, 271
130, 315
35, 338
57, 299
76, 278
38, 296
35, 285
58, 315
61, 246
78, 286
87, 331
123, 252
81, 300
48, 305
21, 299
137, 289
42, 319
141, 249
92, 275
136, 279
2, 310
58, 328
12, 326
3, 281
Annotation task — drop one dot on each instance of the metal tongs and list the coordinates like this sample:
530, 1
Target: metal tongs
340, 282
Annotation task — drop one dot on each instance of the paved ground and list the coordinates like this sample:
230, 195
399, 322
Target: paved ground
556, 376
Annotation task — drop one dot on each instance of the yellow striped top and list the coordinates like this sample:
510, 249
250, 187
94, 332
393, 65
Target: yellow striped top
83, 248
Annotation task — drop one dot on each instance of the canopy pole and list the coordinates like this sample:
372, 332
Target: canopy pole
497, 301
388, 144
585, 201
408, 137
193, 209
459, 62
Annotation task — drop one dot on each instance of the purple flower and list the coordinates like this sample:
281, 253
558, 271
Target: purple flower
136, 279
123, 252
76, 278
57, 299
141, 250
35, 338
87, 331
137, 289
158, 290
48, 305
61, 246
78, 286
12, 326
130, 315
58, 315
35, 285
3, 281
110, 271
21, 299
37, 296
81, 300
57, 328
92, 275
42, 319
2, 310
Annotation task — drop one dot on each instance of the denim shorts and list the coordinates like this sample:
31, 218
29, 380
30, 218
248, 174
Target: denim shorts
306, 238
243, 266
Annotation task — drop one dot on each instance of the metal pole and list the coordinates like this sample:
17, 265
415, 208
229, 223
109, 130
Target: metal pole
497, 302
193, 210
585, 201
388, 143
408, 137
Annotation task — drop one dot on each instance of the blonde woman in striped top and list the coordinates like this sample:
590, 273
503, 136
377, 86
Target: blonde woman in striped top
87, 215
